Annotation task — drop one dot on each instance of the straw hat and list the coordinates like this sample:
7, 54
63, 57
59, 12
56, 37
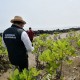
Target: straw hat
18, 18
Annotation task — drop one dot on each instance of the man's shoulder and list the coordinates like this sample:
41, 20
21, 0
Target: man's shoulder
7, 29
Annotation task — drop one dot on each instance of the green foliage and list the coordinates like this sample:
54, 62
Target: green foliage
39, 43
2, 49
53, 53
78, 43
25, 75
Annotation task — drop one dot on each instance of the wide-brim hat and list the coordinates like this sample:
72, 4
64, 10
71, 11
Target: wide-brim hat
19, 19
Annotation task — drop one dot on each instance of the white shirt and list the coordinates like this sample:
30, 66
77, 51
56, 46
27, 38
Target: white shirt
26, 41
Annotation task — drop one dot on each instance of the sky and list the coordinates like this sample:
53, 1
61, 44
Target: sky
41, 14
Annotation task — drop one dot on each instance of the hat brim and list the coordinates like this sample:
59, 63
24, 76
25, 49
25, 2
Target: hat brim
22, 21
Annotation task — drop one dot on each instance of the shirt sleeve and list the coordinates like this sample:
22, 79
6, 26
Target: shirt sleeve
26, 41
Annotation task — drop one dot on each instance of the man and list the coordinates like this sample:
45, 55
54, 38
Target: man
30, 34
17, 44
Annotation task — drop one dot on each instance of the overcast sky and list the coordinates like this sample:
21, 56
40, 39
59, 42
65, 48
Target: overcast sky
41, 14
